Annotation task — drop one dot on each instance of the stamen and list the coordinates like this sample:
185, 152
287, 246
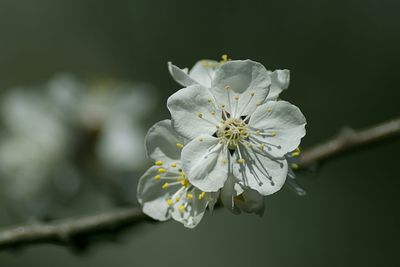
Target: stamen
202, 195
189, 196
170, 202
158, 163
161, 170
157, 177
181, 208
179, 145
294, 166
165, 186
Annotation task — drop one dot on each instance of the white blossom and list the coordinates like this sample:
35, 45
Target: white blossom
164, 190
236, 125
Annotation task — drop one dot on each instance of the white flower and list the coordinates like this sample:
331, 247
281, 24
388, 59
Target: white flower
236, 126
164, 190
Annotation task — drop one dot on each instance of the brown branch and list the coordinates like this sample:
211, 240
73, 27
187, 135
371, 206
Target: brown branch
347, 140
79, 231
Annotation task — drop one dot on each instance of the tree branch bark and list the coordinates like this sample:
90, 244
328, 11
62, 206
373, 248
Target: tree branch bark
78, 232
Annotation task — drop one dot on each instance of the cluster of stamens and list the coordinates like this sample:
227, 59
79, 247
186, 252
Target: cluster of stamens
232, 132
172, 176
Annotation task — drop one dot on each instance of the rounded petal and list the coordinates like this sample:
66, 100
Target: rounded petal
250, 201
230, 190
180, 76
193, 112
241, 85
203, 72
190, 213
151, 195
205, 163
281, 126
260, 172
279, 81
163, 142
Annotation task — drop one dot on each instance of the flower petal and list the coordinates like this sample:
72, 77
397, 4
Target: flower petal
180, 75
247, 83
205, 163
250, 201
190, 213
203, 72
279, 81
281, 126
193, 111
151, 195
230, 190
162, 142
260, 172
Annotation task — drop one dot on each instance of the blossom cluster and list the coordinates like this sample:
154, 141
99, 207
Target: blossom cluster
230, 138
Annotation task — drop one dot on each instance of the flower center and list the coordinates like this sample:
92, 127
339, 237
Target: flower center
232, 131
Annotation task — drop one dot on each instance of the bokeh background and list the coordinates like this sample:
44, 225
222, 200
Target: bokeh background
344, 61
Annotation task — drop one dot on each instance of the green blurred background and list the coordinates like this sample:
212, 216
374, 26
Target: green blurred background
344, 61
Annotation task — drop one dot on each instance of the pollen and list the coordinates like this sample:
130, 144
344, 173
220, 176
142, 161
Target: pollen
209, 100
181, 208
294, 166
189, 196
159, 163
213, 113
240, 161
184, 182
165, 186
179, 145
173, 165
224, 58
236, 98
170, 202
273, 134
200, 115
202, 195
177, 199
252, 93
161, 170
157, 177
269, 110
227, 87
262, 146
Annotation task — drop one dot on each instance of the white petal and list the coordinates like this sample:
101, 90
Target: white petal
161, 142
230, 190
279, 81
205, 163
151, 195
261, 173
246, 79
282, 126
193, 111
180, 76
203, 72
250, 202
194, 209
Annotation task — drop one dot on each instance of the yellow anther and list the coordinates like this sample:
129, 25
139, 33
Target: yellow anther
213, 113
224, 58
262, 146
240, 161
294, 166
202, 195
179, 145
269, 110
258, 131
157, 177
189, 196
204, 63
222, 106
209, 100
181, 208
227, 87
295, 153
273, 134
236, 98
158, 163
224, 161
258, 103
200, 115
184, 182
201, 139
161, 170
177, 199
165, 186
252, 93
170, 202
173, 165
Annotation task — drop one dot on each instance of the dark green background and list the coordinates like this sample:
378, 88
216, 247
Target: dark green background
344, 61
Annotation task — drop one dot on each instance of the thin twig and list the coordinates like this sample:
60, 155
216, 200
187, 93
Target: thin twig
71, 232
347, 140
